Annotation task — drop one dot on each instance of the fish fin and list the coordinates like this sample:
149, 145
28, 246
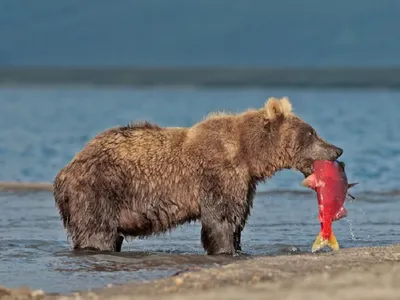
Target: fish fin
350, 185
333, 243
351, 196
340, 214
305, 182
309, 182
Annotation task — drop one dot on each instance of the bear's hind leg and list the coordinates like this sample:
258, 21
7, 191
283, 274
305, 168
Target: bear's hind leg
95, 228
98, 241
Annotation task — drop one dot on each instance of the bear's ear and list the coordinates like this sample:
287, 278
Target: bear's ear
286, 106
273, 108
277, 108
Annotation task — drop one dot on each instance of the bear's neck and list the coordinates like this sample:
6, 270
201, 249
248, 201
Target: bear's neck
262, 151
265, 171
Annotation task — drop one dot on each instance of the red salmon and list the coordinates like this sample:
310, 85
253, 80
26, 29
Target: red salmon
329, 180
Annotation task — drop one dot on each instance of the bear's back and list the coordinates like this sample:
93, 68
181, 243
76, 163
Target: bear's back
134, 142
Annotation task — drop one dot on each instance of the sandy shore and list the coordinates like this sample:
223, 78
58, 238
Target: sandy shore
358, 273
14, 186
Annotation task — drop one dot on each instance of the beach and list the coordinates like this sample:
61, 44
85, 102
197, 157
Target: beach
356, 273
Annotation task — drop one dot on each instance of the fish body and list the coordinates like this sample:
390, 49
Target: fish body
329, 180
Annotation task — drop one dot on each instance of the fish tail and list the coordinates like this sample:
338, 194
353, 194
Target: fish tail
333, 243
321, 243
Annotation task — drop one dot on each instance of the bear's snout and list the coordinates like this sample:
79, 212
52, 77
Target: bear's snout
338, 152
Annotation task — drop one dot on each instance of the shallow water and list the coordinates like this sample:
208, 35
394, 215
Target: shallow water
41, 129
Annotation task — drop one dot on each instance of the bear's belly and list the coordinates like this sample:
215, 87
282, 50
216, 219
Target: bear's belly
157, 219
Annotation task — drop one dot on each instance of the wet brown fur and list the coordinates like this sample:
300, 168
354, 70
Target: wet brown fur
141, 179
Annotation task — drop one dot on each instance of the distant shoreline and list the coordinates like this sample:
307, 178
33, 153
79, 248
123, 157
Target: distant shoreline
205, 77
32, 187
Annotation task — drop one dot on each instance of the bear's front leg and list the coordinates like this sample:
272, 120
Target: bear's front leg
237, 237
118, 242
224, 211
217, 233
217, 237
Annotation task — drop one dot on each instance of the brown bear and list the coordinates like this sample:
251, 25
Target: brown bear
142, 179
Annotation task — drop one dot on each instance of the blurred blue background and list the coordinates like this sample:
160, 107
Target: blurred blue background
199, 33
71, 69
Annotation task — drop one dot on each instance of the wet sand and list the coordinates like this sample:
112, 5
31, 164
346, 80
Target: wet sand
358, 273
13, 186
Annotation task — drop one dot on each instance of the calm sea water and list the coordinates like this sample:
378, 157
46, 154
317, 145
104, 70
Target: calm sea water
42, 128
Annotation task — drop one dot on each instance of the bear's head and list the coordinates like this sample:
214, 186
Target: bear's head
285, 141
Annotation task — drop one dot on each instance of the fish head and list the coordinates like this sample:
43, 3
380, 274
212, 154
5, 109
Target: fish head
344, 176
341, 165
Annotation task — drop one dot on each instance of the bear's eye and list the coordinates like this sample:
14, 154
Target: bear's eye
310, 133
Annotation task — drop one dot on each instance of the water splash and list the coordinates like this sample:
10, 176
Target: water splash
351, 229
